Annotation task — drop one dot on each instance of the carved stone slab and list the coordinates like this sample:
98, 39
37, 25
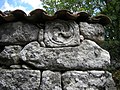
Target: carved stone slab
60, 33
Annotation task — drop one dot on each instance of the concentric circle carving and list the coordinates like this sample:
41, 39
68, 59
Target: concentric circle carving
61, 33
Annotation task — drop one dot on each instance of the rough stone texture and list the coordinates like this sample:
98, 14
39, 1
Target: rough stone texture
62, 46
61, 33
10, 55
19, 79
87, 80
51, 80
17, 33
86, 56
93, 32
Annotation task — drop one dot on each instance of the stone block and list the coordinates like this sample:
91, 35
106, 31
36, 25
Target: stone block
84, 57
17, 33
60, 33
87, 80
19, 79
93, 32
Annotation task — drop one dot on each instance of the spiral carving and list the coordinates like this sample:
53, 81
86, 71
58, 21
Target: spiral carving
61, 33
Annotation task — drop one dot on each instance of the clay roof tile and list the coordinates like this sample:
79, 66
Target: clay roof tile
41, 16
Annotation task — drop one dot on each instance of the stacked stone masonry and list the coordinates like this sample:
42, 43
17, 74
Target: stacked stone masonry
62, 55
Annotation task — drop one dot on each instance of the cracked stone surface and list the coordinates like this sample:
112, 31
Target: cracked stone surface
86, 56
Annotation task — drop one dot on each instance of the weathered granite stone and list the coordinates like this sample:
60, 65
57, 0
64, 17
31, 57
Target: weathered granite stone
87, 80
86, 56
10, 55
19, 79
61, 33
93, 32
51, 80
17, 33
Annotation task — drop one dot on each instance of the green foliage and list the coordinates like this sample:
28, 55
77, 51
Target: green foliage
113, 46
112, 9
116, 77
91, 6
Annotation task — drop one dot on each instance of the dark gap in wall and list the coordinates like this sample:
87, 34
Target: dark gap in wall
28, 65
4, 66
65, 70
80, 33
43, 36
40, 26
1, 48
23, 45
41, 80
102, 88
62, 86
63, 46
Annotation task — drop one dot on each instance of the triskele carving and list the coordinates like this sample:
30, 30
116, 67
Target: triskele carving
61, 33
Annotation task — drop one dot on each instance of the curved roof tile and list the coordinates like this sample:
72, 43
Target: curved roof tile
41, 16
65, 15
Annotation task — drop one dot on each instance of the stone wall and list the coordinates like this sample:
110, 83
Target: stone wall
62, 55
